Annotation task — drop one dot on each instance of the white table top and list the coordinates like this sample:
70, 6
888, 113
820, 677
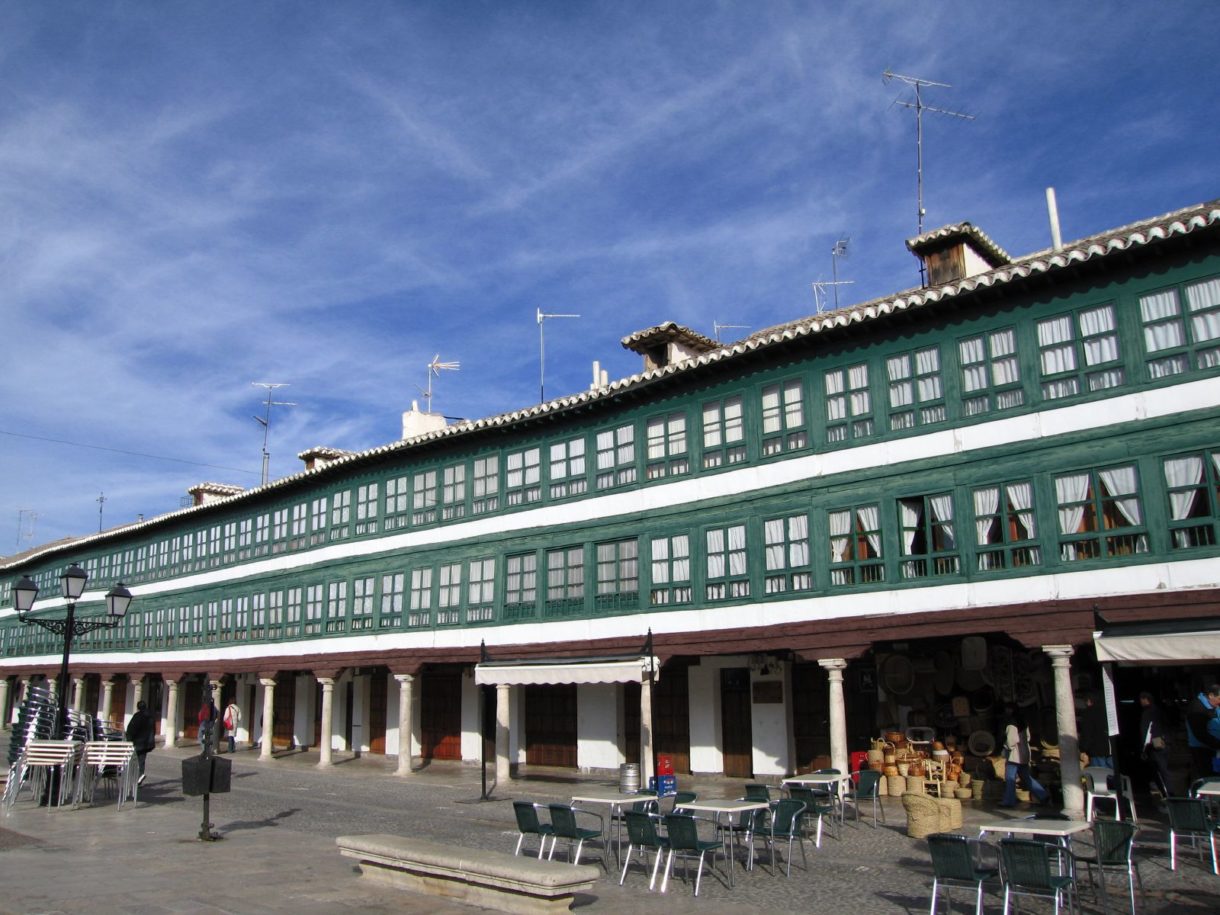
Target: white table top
611, 799
1057, 828
1211, 789
815, 779
724, 805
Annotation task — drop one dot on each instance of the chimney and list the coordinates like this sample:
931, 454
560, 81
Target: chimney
207, 493
415, 422
319, 456
1052, 210
601, 377
955, 252
667, 344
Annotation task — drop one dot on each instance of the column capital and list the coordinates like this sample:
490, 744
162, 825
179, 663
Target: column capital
327, 682
404, 679
1059, 654
267, 681
832, 663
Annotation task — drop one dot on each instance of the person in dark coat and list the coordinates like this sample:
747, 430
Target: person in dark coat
142, 733
1095, 733
1154, 749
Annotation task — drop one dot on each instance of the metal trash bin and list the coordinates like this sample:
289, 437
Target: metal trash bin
206, 775
629, 778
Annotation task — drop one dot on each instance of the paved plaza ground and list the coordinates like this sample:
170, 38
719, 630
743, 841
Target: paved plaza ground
277, 849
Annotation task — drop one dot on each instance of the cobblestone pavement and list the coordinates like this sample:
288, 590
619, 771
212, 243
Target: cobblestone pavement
277, 851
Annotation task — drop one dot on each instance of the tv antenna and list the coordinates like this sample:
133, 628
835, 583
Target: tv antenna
27, 520
717, 327
919, 108
101, 501
819, 292
435, 367
265, 419
838, 251
542, 316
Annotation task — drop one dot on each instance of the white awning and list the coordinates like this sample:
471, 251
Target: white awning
524, 673
1158, 648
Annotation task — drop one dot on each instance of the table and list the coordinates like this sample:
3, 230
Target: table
615, 804
1063, 830
726, 807
835, 782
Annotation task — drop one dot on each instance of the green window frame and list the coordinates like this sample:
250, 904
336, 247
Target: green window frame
393, 585
856, 546
366, 509
453, 492
1080, 352
927, 536
726, 567
419, 614
340, 514
565, 581
1005, 526
364, 598
275, 613
667, 446
318, 511
618, 574
1100, 514
481, 590
786, 554
485, 484
670, 569
337, 608
849, 403
724, 432
423, 497
449, 594
783, 417
1192, 486
314, 599
279, 531
520, 585
397, 502
616, 457
1182, 328
990, 372
916, 391
523, 476
568, 476
300, 526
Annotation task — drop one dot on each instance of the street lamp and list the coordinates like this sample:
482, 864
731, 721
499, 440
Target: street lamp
73, 586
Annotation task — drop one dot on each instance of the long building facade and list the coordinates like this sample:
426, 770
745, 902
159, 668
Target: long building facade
753, 557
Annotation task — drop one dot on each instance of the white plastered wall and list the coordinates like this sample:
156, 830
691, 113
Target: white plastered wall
597, 726
770, 723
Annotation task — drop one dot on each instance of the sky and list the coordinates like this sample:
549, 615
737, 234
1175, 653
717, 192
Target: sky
199, 197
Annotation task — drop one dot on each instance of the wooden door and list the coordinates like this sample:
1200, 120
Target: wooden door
810, 716
440, 717
378, 693
118, 701
737, 736
671, 715
284, 708
550, 725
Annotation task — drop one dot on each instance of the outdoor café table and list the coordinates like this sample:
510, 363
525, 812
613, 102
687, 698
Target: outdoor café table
718, 807
1062, 830
615, 803
835, 782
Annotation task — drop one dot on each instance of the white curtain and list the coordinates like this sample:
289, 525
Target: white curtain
858, 381
798, 542
737, 550
1004, 357
1187, 471
1052, 335
1021, 495
869, 518
986, 504
901, 391
911, 514
942, 514
773, 534
715, 554
974, 371
1100, 341
1204, 324
1121, 482
927, 366
1071, 489
681, 553
1162, 327
840, 540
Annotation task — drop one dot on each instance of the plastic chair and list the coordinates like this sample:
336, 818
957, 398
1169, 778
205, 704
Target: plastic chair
1113, 841
866, 789
1026, 871
1097, 787
816, 806
785, 824
528, 824
1188, 819
683, 835
683, 797
642, 834
565, 826
957, 862
757, 792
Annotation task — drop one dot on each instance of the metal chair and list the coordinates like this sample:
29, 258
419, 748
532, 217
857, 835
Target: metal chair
784, 823
642, 833
1188, 819
111, 761
1098, 787
684, 840
866, 789
565, 826
42, 761
757, 792
957, 862
1026, 871
683, 797
529, 824
1113, 842
815, 806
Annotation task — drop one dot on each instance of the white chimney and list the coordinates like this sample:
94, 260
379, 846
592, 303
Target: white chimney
415, 422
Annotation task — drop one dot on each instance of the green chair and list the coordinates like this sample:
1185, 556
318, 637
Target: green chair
784, 824
1113, 842
757, 792
816, 805
642, 834
683, 797
683, 835
1025, 867
566, 827
866, 790
957, 862
528, 824
1188, 819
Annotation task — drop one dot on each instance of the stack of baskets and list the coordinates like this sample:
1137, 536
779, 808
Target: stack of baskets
904, 769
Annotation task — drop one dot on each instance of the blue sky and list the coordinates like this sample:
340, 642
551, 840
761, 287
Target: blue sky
198, 196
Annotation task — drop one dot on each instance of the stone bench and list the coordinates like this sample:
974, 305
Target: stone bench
492, 879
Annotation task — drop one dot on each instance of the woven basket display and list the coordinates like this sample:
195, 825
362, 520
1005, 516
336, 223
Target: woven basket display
923, 815
963, 794
976, 790
915, 784
950, 813
883, 788
896, 784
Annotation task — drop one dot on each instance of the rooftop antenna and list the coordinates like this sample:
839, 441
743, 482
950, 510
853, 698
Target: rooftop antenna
717, 327
27, 518
101, 500
434, 368
819, 292
542, 316
920, 108
265, 419
838, 251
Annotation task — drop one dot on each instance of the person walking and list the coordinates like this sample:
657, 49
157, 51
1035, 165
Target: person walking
1154, 750
1017, 756
207, 721
1095, 733
142, 734
231, 720
1203, 732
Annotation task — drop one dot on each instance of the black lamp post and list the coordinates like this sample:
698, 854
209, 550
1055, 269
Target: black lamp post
73, 582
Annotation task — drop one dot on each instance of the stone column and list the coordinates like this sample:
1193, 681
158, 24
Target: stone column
406, 719
137, 685
504, 695
646, 748
108, 700
1065, 720
834, 668
268, 715
4, 712
169, 725
328, 719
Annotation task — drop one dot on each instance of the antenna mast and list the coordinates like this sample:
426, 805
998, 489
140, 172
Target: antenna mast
265, 419
434, 368
27, 519
101, 500
838, 251
717, 327
542, 316
819, 292
920, 108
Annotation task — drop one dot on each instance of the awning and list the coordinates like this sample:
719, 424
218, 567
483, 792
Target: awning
1157, 645
594, 670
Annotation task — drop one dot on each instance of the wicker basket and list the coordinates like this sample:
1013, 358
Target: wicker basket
923, 815
964, 779
883, 787
976, 790
896, 784
963, 794
948, 788
915, 784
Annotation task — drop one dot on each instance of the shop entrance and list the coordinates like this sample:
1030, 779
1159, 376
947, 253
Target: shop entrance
737, 735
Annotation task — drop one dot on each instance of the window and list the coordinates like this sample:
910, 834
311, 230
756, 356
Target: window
300, 526
523, 477
928, 537
214, 540
991, 375
453, 492
480, 590
230, 540
727, 574
565, 580
783, 417
786, 542
520, 585
485, 485
1004, 527
366, 509
421, 598
667, 446
916, 394
723, 432
1099, 514
293, 611
279, 530
1080, 353
855, 546
241, 617
397, 503
363, 596
313, 609
336, 607
423, 498
616, 457
340, 514
1193, 484
245, 537
568, 468
317, 520
391, 600
258, 616
670, 570
618, 575
849, 406
262, 535
1174, 340
275, 613
449, 595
